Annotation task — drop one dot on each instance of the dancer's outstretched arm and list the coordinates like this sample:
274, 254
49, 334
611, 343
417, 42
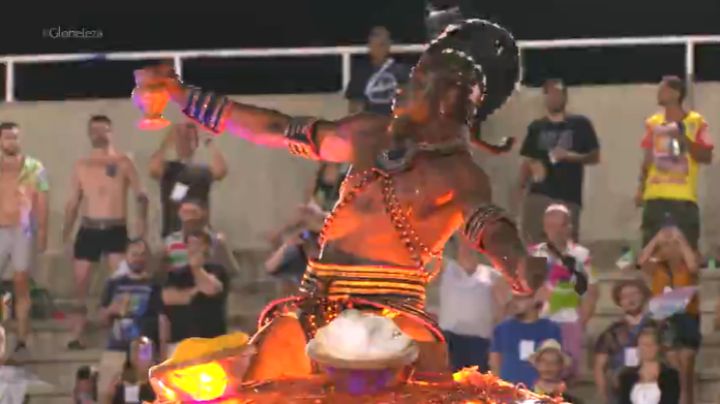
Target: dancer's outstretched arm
310, 137
492, 232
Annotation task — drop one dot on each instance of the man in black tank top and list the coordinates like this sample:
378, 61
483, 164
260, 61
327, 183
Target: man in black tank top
183, 178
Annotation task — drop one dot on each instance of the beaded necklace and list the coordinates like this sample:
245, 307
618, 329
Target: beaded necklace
401, 222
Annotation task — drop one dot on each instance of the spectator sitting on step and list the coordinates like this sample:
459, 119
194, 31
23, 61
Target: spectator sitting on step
616, 347
193, 215
133, 386
652, 381
132, 306
671, 262
195, 295
573, 285
551, 363
516, 339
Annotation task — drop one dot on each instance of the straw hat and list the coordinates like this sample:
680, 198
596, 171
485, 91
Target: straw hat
550, 345
636, 282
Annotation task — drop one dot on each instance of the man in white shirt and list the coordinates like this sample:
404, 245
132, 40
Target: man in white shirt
571, 281
472, 298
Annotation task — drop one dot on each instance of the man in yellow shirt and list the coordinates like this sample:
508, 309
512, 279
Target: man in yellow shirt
676, 142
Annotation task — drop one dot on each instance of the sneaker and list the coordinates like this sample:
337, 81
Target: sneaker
75, 345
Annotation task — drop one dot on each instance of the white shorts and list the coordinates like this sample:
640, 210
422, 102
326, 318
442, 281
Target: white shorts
16, 247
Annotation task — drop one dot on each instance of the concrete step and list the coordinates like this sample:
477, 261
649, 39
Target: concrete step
709, 284
604, 316
54, 271
59, 368
52, 336
707, 359
50, 395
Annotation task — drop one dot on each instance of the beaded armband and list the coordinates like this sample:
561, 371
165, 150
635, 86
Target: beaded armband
474, 228
207, 108
300, 135
474, 231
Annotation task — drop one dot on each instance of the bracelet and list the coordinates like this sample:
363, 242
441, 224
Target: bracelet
207, 109
300, 135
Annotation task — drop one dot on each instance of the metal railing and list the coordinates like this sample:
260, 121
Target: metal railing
345, 52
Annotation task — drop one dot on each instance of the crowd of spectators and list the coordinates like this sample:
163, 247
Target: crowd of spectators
532, 340
643, 357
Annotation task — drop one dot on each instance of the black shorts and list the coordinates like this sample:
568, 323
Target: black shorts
91, 244
683, 331
684, 214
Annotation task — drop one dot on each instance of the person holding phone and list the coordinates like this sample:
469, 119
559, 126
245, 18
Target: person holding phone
677, 142
670, 262
132, 385
132, 307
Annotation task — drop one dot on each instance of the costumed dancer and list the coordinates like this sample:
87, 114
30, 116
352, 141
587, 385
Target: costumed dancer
413, 183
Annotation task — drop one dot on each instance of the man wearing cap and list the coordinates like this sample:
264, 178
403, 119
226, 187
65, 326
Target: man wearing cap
551, 362
676, 142
616, 347
555, 151
572, 283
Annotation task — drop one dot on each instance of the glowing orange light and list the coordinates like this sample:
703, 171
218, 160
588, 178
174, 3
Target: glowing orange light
167, 392
201, 382
464, 374
444, 199
389, 313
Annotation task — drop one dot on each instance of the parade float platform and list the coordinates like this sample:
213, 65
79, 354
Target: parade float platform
208, 371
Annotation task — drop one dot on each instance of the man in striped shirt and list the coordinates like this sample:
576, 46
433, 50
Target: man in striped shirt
194, 217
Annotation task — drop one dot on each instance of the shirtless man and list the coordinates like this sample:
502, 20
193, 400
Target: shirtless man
99, 190
23, 217
413, 183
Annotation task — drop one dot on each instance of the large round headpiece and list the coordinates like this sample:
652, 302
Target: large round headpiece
495, 55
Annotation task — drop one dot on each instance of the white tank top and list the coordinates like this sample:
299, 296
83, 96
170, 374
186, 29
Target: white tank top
645, 393
466, 301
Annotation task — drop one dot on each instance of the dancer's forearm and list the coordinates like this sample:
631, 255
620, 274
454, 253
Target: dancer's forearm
258, 125
308, 137
492, 232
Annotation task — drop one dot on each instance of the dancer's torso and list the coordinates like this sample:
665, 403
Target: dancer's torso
427, 192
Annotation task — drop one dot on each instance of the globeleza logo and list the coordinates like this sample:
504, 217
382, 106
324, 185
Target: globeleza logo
59, 32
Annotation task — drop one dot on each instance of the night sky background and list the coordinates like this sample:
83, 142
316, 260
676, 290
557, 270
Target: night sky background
295, 23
